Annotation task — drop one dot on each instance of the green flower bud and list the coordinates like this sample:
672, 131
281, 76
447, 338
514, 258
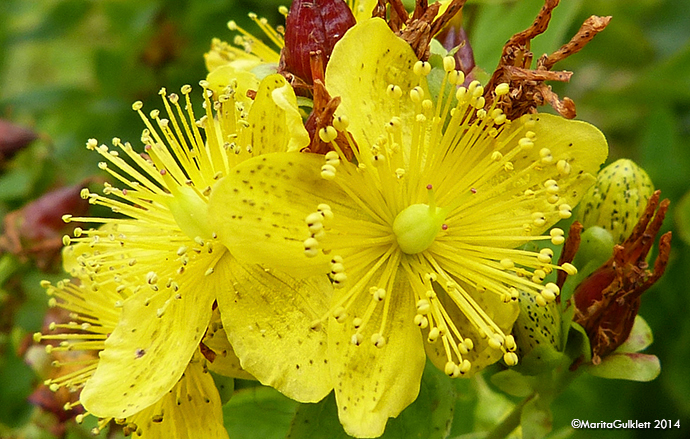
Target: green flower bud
536, 325
617, 199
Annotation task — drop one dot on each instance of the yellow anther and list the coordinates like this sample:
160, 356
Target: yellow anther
339, 280
417, 94
449, 64
546, 157
332, 158
538, 219
328, 172
311, 247
423, 306
563, 167
357, 322
421, 68
507, 263
548, 295
378, 340
328, 134
357, 339
510, 358
340, 314
460, 94
434, 333
421, 321
451, 369
510, 342
502, 89
496, 156
341, 122
569, 268
565, 211
557, 237
496, 341
465, 367
541, 301
526, 144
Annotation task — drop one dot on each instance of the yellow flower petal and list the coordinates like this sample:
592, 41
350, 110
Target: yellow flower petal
362, 9
361, 79
268, 318
275, 122
150, 348
374, 383
570, 152
191, 409
225, 361
268, 198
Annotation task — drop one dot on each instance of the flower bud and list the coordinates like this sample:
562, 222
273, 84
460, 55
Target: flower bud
608, 300
536, 325
313, 26
617, 199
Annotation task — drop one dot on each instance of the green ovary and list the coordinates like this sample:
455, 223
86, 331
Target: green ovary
190, 213
416, 227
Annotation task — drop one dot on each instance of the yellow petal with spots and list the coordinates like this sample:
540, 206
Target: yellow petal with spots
259, 210
268, 318
223, 359
225, 76
374, 383
567, 152
274, 118
191, 409
151, 346
361, 79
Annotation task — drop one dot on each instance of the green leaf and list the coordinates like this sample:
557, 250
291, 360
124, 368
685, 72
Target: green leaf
633, 367
429, 417
258, 412
639, 339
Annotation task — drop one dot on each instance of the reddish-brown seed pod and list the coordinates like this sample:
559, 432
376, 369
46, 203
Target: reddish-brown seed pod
312, 26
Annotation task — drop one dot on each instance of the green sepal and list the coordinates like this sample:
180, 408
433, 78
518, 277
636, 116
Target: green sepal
513, 383
578, 344
596, 247
626, 366
639, 339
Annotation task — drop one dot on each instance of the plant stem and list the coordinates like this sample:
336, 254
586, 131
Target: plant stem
510, 422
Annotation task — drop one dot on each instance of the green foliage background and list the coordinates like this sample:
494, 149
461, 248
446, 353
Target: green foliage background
70, 69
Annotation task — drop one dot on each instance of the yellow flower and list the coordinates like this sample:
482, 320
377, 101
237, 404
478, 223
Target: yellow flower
191, 408
162, 256
420, 234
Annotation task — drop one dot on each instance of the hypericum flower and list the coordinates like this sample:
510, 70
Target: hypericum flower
617, 200
161, 253
419, 234
191, 408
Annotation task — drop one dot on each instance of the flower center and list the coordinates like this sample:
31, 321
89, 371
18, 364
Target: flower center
190, 213
417, 226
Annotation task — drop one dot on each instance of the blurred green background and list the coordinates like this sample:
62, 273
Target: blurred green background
70, 69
